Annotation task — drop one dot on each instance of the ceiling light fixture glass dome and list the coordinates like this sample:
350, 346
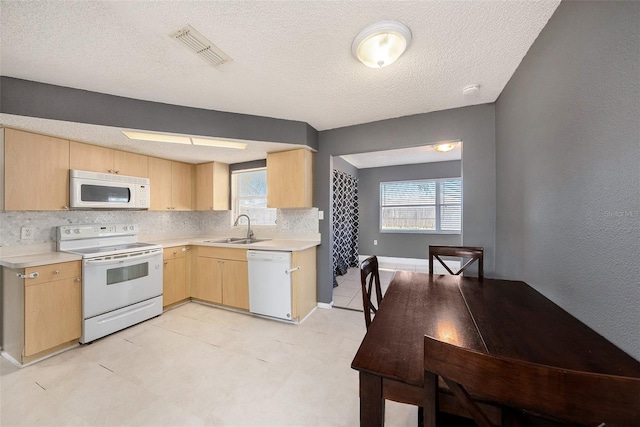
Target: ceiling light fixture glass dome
381, 44
444, 147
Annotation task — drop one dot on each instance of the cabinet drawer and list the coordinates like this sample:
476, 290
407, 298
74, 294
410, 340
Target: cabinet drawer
51, 272
223, 253
175, 252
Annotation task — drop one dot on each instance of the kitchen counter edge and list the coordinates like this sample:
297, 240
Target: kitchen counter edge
53, 257
286, 245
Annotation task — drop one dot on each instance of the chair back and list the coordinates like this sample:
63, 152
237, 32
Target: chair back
370, 282
467, 252
561, 394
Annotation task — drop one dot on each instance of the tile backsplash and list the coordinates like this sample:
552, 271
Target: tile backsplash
149, 222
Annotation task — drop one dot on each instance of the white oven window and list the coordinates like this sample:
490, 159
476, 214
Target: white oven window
101, 193
123, 274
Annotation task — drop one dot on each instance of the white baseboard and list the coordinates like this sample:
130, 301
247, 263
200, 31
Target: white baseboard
419, 264
397, 261
325, 305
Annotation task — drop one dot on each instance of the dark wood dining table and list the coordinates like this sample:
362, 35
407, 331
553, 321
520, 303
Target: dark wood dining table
499, 317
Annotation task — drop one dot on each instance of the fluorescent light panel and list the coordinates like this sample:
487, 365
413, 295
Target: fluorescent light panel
218, 143
177, 139
157, 137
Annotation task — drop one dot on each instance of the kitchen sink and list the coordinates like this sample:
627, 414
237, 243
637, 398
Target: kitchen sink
248, 241
226, 240
237, 240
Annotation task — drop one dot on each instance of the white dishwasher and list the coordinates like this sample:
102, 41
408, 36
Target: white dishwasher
270, 283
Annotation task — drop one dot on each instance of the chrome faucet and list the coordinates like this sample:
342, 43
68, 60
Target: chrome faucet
249, 232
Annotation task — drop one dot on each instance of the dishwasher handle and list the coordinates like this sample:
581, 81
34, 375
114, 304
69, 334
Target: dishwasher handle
291, 270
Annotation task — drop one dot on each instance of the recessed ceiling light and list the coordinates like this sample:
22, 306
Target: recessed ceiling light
443, 148
381, 44
179, 139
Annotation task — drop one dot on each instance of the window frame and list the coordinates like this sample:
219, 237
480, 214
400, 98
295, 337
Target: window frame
234, 198
437, 207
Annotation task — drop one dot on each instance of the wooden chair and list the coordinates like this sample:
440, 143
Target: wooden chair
470, 252
370, 282
558, 394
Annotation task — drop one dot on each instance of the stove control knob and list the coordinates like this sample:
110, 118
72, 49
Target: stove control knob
125, 228
67, 231
77, 231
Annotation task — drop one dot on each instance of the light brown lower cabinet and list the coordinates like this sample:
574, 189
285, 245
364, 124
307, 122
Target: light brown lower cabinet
175, 286
222, 277
304, 283
42, 309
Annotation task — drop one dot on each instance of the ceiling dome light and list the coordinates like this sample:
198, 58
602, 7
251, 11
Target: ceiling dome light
443, 148
381, 44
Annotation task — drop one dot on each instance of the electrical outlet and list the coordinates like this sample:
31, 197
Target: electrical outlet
26, 233
375, 243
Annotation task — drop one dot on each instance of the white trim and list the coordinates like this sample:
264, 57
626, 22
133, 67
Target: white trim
398, 261
411, 264
325, 305
19, 365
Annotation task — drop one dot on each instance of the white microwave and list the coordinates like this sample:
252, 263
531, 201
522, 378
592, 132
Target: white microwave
94, 190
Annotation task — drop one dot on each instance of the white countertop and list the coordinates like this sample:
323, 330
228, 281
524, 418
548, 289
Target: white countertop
21, 258
36, 259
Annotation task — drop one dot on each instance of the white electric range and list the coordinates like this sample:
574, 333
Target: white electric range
121, 277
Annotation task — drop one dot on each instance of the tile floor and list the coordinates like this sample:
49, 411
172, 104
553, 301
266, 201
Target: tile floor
200, 366
348, 293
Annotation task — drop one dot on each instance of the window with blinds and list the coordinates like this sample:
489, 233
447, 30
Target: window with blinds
423, 206
249, 196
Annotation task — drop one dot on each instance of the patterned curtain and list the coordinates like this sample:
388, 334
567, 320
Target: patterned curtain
345, 223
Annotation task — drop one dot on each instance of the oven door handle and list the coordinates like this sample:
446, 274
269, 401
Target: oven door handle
121, 260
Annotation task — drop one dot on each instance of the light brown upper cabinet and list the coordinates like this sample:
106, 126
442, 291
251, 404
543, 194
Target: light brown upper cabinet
107, 160
290, 179
171, 185
212, 186
36, 172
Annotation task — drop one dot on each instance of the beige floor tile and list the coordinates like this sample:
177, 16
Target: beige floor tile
198, 365
340, 301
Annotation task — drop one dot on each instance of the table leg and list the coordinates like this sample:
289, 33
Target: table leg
430, 405
371, 401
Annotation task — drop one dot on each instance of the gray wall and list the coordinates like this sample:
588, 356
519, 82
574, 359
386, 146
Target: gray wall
403, 245
475, 126
34, 99
568, 168
343, 166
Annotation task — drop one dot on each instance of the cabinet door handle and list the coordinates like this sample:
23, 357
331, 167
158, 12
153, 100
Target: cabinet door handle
117, 171
110, 171
291, 270
56, 271
33, 275
185, 249
78, 279
166, 262
175, 252
65, 208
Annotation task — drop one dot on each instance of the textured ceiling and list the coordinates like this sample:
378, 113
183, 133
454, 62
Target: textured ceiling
291, 59
402, 156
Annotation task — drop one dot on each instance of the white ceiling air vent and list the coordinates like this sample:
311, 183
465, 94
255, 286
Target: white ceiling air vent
200, 45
